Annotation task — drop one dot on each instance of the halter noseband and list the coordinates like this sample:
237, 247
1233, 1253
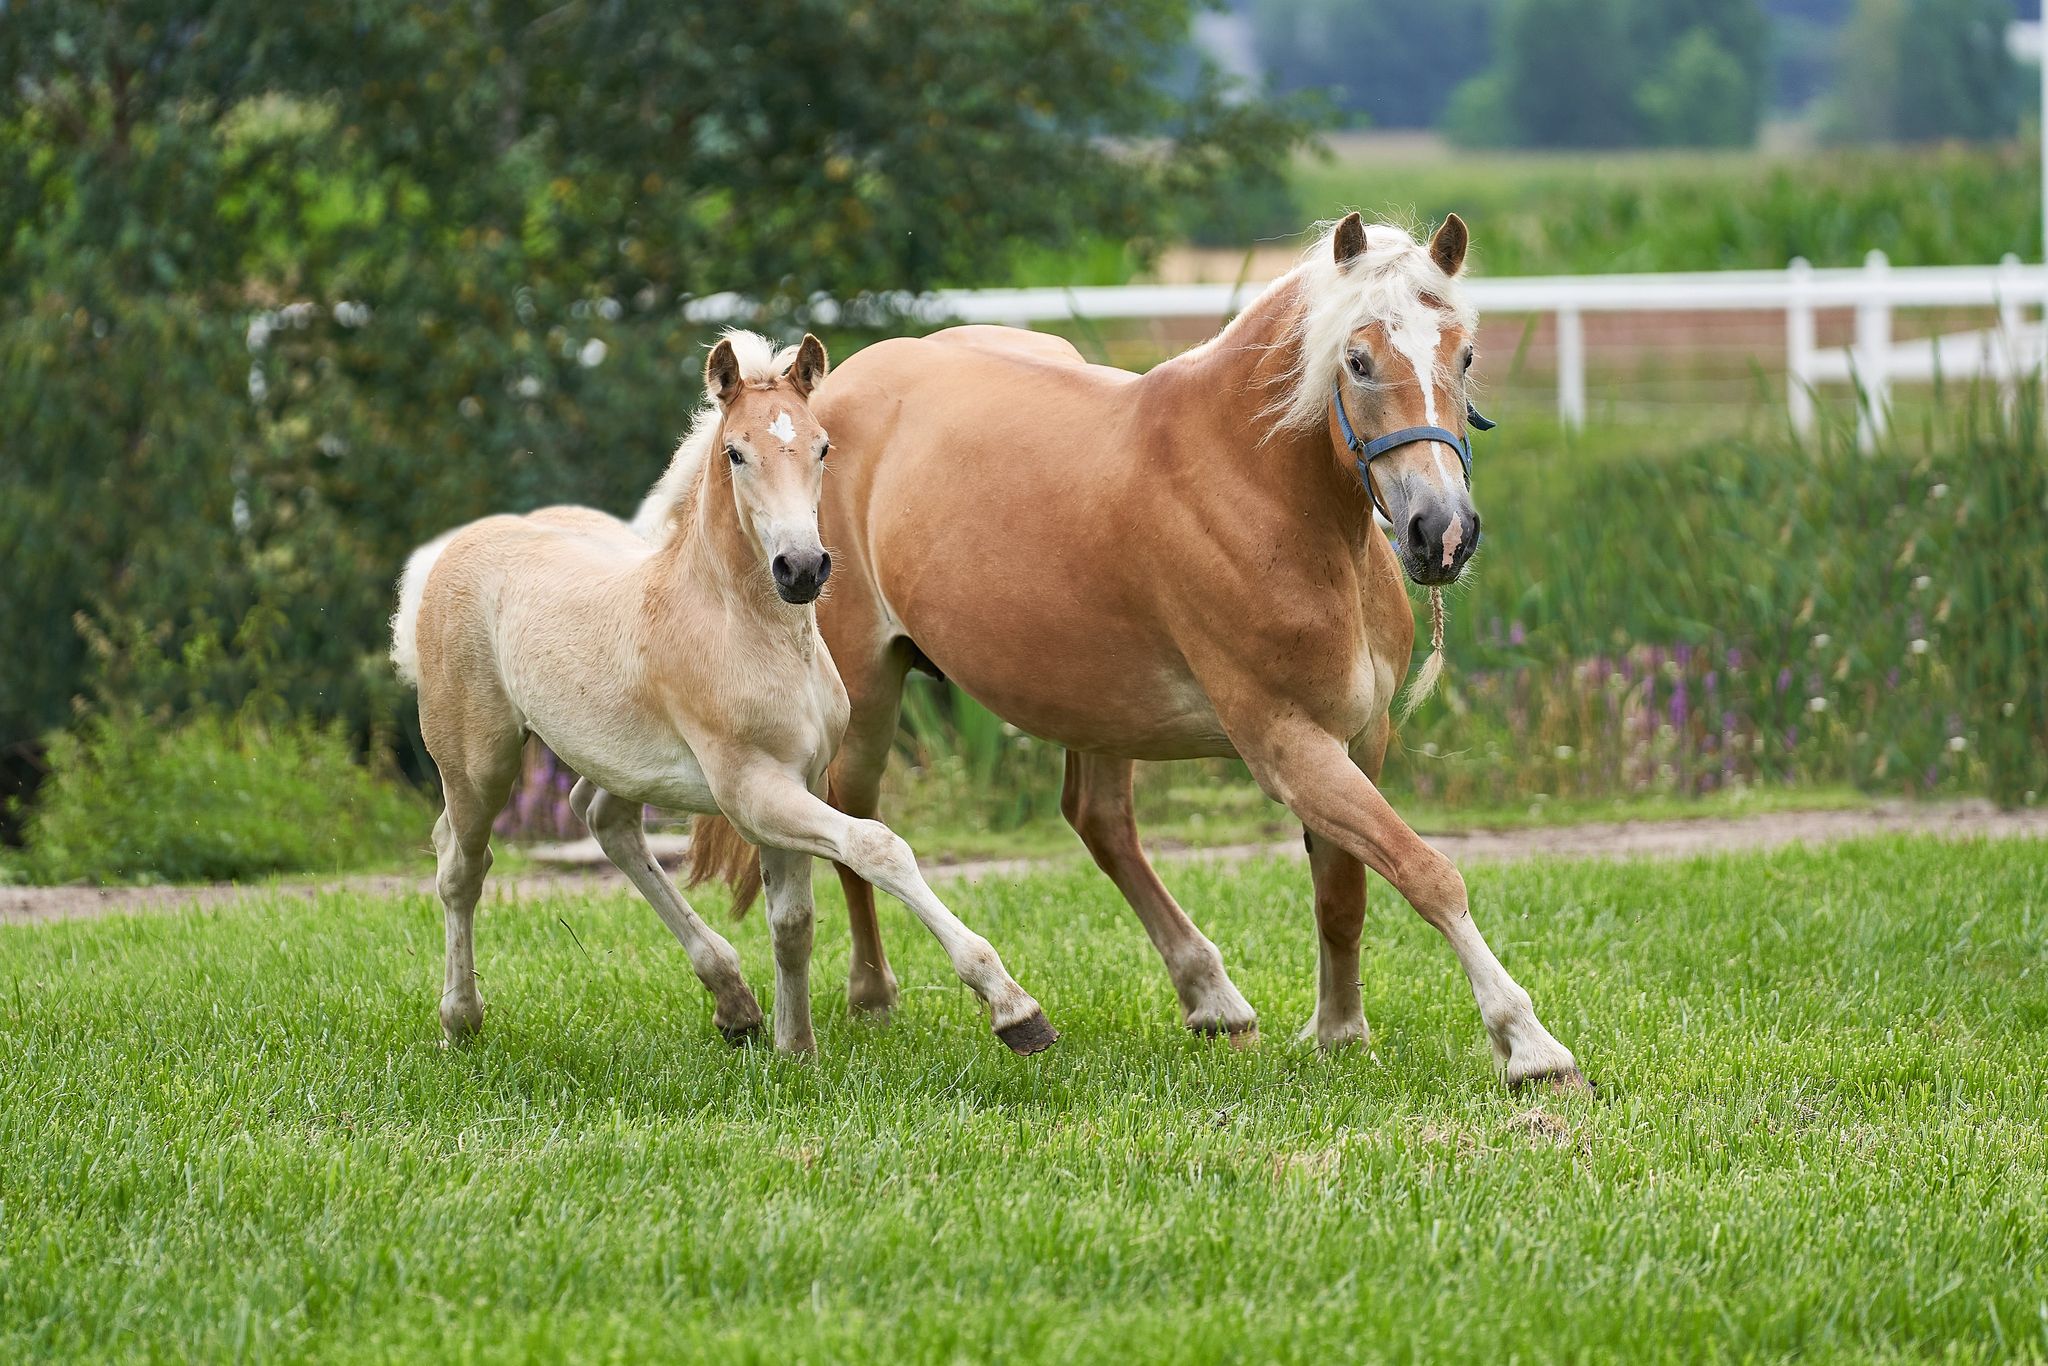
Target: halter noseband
1369, 451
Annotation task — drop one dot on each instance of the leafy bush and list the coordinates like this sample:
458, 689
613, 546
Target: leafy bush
210, 799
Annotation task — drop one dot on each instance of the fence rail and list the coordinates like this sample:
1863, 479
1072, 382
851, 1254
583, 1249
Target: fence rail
1874, 291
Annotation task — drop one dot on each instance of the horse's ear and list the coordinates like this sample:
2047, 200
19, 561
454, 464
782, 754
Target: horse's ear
1447, 248
722, 373
1349, 239
809, 366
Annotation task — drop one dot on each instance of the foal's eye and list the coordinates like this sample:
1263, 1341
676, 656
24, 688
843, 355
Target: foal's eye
732, 453
1360, 363
1468, 360
824, 450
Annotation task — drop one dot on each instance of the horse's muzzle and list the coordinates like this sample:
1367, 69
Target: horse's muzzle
1438, 542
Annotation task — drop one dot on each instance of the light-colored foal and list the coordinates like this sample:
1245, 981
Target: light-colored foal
677, 665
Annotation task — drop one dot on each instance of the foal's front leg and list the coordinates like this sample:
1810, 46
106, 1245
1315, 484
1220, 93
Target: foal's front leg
775, 809
1310, 771
786, 879
616, 824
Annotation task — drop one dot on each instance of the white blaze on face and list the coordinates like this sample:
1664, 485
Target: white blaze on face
782, 429
1454, 536
1417, 340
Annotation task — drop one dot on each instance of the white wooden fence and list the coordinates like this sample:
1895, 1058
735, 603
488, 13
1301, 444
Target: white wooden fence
2013, 348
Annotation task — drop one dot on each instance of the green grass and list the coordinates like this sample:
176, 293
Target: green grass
1821, 1134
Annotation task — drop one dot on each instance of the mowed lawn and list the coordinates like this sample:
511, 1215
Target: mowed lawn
1822, 1131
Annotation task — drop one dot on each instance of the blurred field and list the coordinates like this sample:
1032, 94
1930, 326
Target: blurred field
1820, 1134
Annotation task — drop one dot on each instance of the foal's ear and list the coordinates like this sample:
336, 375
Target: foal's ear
722, 373
809, 366
1447, 248
1349, 239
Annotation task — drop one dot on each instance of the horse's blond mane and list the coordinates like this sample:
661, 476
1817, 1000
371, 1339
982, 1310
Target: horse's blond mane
1392, 281
675, 493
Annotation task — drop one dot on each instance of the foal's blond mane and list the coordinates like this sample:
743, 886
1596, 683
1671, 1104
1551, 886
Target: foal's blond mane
668, 505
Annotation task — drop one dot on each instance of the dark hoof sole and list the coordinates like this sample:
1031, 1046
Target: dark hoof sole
741, 1036
1034, 1035
1572, 1083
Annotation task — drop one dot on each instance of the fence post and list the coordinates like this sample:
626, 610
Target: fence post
1571, 368
1874, 352
1799, 345
2006, 353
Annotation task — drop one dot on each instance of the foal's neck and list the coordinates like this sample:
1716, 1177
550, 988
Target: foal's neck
711, 555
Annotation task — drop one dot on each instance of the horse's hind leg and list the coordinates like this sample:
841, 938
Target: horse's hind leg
616, 823
782, 813
1340, 917
1096, 801
875, 695
477, 773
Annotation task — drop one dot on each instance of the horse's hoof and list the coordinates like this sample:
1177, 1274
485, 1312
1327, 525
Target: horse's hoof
1571, 1082
739, 1036
1033, 1034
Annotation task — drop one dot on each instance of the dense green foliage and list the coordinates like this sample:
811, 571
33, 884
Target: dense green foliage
1540, 215
1618, 73
1753, 610
286, 289
211, 800
1923, 69
1389, 63
1821, 1135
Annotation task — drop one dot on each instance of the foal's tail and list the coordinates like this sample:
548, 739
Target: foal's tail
412, 586
718, 850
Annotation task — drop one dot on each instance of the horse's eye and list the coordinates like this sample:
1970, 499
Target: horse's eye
1360, 363
1468, 360
732, 453
824, 450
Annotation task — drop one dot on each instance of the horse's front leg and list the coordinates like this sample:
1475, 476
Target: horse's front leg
1309, 770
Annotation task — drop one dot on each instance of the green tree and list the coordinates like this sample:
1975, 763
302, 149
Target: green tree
285, 289
1918, 70
1613, 73
1393, 62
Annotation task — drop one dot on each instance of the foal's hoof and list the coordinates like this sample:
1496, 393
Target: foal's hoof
460, 1022
739, 1036
1571, 1082
1242, 1038
1033, 1034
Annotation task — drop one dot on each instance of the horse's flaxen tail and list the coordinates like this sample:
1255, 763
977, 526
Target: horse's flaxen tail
718, 850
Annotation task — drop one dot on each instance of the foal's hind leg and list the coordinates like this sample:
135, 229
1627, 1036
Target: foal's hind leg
477, 773
617, 825
1096, 801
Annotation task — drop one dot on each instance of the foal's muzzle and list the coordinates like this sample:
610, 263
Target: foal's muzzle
800, 574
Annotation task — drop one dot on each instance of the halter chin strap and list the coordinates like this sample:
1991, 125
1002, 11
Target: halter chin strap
1369, 451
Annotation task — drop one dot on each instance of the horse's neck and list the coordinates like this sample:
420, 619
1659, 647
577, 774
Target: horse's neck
1219, 399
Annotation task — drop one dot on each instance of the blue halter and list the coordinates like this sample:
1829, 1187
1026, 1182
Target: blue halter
1369, 451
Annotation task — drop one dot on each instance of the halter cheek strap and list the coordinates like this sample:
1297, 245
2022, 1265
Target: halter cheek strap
1369, 451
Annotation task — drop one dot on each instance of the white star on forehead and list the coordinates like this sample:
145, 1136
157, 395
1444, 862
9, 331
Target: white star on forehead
782, 429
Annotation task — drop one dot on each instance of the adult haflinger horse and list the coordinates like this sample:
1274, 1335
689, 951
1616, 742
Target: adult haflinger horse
679, 665
1178, 564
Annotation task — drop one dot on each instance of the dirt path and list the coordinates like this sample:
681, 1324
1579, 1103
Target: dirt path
1621, 839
